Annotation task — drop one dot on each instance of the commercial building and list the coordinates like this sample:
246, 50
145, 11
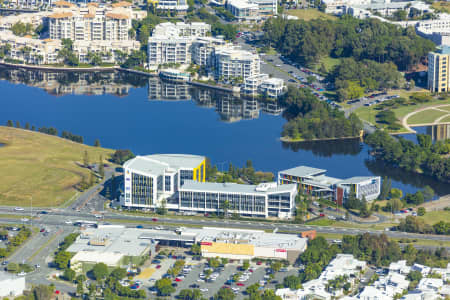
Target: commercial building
109, 244
11, 285
242, 244
314, 182
438, 70
152, 178
171, 43
231, 62
263, 200
92, 22
252, 10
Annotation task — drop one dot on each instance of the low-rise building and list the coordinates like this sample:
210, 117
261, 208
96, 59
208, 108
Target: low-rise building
313, 181
263, 200
399, 267
252, 10
11, 285
263, 84
231, 62
179, 6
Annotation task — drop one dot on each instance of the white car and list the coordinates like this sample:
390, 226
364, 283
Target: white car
203, 290
332, 217
68, 222
24, 220
22, 273
19, 209
200, 280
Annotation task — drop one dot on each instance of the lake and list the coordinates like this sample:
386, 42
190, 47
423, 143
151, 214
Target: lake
149, 116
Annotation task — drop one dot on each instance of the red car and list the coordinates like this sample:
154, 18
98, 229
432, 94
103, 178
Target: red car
158, 266
178, 279
322, 215
154, 219
240, 284
42, 230
259, 263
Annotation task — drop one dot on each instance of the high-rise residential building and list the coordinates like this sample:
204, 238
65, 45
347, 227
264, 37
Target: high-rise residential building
438, 70
203, 49
171, 43
91, 22
231, 62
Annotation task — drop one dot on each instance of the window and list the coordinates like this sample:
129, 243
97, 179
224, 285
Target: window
167, 185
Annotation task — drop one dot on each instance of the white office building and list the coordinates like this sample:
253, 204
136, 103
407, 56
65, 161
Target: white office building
263, 200
232, 62
11, 285
252, 10
152, 178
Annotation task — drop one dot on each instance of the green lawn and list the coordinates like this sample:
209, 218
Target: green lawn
433, 217
426, 116
41, 166
310, 14
404, 110
446, 119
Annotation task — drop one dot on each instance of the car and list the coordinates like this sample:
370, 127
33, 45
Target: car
139, 226
200, 280
259, 263
332, 217
194, 286
240, 284
154, 219
322, 215
24, 219
337, 241
19, 209
158, 266
37, 266
283, 270
4, 263
414, 214
203, 290
135, 286
178, 279
42, 230
156, 261
174, 284
68, 222
44, 212
22, 273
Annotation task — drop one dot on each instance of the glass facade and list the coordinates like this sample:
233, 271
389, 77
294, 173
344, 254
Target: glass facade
141, 189
186, 175
167, 183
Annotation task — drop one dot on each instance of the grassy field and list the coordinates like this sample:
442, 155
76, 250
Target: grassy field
42, 166
441, 6
446, 119
433, 217
426, 116
310, 14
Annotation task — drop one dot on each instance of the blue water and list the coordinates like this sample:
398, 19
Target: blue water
133, 122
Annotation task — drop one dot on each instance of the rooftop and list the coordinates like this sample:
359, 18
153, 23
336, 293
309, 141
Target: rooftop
303, 171
226, 187
356, 179
179, 160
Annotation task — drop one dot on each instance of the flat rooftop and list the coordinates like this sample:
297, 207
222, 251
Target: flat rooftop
227, 187
303, 171
158, 163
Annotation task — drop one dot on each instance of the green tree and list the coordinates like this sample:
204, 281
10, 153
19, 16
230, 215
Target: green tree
86, 159
100, 271
224, 294
428, 193
62, 259
18, 124
101, 167
97, 143
27, 126
421, 211
69, 274
245, 264
42, 292
195, 249
164, 287
118, 273
386, 186
9, 123
396, 193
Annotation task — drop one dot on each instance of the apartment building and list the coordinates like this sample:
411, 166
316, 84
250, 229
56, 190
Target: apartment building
203, 50
263, 84
107, 49
252, 10
180, 6
231, 62
91, 22
171, 43
438, 69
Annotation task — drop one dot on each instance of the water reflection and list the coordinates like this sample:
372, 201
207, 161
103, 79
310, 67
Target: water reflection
328, 148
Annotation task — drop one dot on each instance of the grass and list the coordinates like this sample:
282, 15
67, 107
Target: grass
426, 116
41, 166
433, 217
328, 62
402, 111
310, 14
446, 119
441, 6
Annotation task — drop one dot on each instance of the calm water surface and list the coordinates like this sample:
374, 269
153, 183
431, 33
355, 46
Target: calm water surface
150, 116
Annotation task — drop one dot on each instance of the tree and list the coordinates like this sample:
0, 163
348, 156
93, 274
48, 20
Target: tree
245, 264
42, 292
101, 167
396, 193
86, 159
195, 249
27, 126
97, 143
276, 266
293, 282
224, 294
100, 271
194, 294
62, 259
428, 193
69, 274
164, 287
421, 211
121, 156
80, 289
385, 188
396, 204
18, 124
9, 123
414, 276
118, 273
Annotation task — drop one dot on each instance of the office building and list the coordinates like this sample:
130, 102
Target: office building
91, 22
263, 200
438, 70
231, 62
314, 182
252, 10
152, 178
11, 285
171, 43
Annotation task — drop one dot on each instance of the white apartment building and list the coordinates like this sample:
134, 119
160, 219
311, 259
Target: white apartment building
252, 9
438, 70
91, 22
35, 19
171, 43
203, 49
231, 62
107, 49
262, 83
179, 6
29, 50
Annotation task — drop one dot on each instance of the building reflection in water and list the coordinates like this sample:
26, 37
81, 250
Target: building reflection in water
229, 107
